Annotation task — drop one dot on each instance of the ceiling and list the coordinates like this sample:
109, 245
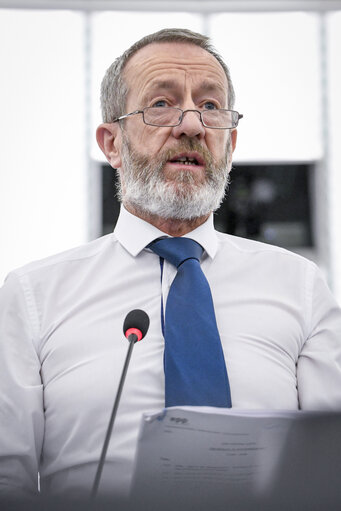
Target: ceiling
207, 6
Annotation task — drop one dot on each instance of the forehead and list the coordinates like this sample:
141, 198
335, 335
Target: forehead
177, 60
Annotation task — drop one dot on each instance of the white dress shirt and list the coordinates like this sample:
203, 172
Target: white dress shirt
62, 348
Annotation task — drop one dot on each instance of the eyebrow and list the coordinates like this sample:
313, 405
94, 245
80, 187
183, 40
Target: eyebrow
209, 86
205, 86
162, 84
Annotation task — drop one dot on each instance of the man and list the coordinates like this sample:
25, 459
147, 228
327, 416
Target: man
62, 347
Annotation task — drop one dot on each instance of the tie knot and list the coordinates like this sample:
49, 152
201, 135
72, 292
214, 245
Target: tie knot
177, 250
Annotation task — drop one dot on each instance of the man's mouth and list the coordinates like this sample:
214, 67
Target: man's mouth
188, 159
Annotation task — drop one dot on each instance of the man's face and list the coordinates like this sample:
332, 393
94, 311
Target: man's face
185, 76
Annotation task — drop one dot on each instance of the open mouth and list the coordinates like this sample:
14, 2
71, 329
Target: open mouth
193, 160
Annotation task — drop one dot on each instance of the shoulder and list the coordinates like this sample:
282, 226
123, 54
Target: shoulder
79, 254
260, 253
229, 241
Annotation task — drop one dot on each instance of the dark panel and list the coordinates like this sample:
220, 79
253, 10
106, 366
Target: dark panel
265, 202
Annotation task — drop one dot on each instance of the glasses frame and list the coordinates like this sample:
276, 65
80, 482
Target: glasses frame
240, 116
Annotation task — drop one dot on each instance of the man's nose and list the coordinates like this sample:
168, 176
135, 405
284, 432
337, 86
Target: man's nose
191, 125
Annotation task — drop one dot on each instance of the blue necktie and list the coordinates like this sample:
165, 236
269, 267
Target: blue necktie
195, 371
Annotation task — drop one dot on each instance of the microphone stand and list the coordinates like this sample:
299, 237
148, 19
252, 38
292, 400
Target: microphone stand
132, 338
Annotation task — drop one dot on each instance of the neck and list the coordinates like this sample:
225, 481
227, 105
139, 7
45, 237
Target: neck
171, 226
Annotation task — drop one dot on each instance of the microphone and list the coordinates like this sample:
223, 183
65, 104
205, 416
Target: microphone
137, 324
135, 327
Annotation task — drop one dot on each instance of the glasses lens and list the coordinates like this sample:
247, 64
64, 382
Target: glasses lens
220, 118
162, 116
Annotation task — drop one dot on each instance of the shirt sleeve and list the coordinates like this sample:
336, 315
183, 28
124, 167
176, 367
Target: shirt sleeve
319, 363
21, 394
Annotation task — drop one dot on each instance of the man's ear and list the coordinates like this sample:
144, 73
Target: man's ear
233, 139
109, 139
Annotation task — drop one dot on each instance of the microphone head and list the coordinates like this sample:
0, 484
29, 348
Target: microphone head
137, 321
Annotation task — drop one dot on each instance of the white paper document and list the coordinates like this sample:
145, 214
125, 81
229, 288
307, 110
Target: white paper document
212, 458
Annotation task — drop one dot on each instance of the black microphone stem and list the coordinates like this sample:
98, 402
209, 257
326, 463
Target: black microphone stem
132, 339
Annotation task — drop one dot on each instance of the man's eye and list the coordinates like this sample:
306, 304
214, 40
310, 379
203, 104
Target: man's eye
209, 105
160, 102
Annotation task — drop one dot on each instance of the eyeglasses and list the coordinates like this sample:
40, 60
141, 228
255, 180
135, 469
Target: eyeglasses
161, 116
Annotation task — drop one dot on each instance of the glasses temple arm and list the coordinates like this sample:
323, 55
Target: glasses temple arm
127, 115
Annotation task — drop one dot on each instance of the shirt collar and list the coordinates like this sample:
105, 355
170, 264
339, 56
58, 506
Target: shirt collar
135, 234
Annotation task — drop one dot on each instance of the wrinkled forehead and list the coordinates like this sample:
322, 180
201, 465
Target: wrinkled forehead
175, 59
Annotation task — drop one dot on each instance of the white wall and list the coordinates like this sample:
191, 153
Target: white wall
334, 153
42, 156
274, 62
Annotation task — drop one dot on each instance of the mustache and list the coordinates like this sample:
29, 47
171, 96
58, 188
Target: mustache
188, 145
185, 144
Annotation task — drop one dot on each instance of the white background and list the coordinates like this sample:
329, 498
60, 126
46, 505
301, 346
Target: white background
52, 63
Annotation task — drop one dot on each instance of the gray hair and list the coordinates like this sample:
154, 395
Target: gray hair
114, 89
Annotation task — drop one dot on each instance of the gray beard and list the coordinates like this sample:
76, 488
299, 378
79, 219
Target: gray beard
181, 198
